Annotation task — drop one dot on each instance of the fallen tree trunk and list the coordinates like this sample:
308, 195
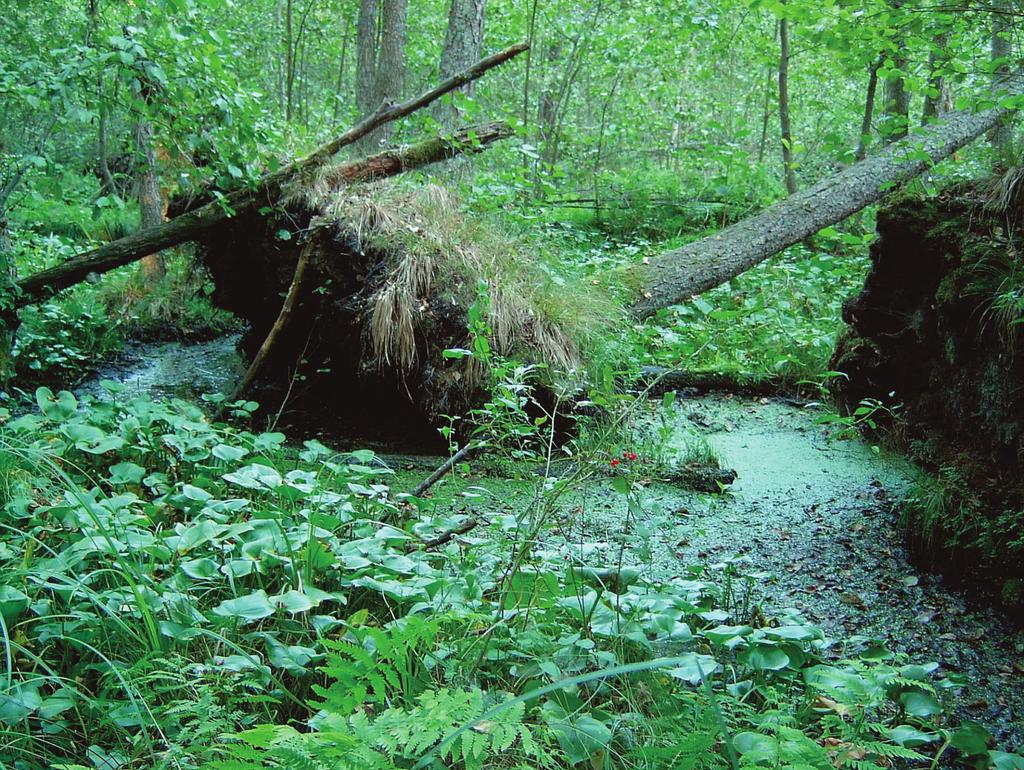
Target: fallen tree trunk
192, 224
677, 275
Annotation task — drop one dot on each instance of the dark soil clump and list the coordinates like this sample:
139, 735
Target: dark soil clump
934, 337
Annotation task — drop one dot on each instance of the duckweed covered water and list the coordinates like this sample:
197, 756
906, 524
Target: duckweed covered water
814, 518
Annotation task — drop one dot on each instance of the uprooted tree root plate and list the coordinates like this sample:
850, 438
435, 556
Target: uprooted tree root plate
390, 281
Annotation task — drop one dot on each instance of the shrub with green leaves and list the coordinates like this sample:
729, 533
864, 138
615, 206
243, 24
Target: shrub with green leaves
177, 592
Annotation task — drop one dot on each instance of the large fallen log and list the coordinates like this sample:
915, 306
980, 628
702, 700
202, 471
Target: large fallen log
268, 191
678, 275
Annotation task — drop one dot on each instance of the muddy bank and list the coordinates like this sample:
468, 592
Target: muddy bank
936, 336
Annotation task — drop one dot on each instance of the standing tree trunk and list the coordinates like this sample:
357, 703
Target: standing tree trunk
784, 123
897, 99
869, 112
279, 73
109, 186
151, 204
935, 96
531, 32
147, 179
339, 91
1000, 50
462, 46
766, 114
897, 103
366, 62
289, 61
390, 80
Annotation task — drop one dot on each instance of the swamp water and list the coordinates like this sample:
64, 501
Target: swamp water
813, 517
171, 369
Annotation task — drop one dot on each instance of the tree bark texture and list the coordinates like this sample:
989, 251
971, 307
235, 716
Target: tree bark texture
677, 275
390, 80
462, 45
109, 186
147, 176
339, 91
784, 122
151, 204
366, 56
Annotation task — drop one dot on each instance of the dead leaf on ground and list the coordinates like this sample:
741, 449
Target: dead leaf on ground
827, 704
852, 599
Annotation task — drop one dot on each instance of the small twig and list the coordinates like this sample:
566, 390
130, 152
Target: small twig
433, 478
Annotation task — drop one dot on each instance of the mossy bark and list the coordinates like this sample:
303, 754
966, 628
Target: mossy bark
197, 223
192, 224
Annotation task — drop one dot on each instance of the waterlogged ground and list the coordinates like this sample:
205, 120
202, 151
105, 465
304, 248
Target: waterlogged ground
813, 517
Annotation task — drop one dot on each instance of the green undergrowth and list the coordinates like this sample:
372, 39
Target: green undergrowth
778, 321
944, 513
178, 592
61, 341
660, 204
69, 205
178, 306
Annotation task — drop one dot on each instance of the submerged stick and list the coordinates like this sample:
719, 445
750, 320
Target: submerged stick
463, 454
449, 535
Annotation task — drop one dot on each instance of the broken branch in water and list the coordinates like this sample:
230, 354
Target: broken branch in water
463, 454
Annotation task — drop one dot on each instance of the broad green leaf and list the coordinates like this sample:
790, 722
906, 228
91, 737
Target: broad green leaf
724, 634
765, 657
910, 737
13, 602
248, 608
293, 601
920, 704
695, 664
57, 408
126, 473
